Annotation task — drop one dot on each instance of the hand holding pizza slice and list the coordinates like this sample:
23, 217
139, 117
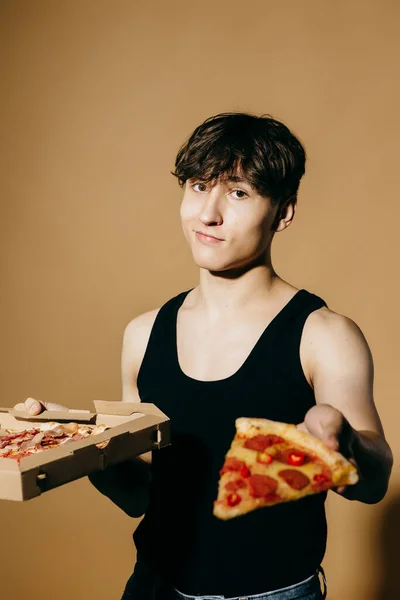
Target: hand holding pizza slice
271, 462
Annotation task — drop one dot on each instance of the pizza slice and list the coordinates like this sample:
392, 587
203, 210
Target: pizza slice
271, 462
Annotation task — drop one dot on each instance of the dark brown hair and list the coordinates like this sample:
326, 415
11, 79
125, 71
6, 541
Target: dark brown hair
260, 149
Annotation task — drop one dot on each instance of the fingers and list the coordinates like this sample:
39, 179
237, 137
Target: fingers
52, 406
35, 407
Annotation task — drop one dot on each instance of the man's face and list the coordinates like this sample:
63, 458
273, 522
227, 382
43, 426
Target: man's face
227, 224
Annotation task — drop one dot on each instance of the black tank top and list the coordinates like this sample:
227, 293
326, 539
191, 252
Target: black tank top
179, 537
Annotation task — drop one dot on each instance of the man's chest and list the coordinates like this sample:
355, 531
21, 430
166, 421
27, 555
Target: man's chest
210, 354
213, 352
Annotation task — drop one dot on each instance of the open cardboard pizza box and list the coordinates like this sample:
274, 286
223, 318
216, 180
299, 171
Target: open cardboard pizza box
135, 428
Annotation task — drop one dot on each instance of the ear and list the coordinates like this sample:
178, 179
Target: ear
285, 214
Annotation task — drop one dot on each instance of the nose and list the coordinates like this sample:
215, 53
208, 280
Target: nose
211, 209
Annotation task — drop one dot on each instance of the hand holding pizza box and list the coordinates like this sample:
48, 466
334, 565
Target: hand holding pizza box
35, 407
46, 445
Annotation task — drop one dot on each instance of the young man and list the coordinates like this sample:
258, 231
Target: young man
243, 342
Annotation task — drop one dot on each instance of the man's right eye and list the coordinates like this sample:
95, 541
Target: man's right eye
202, 187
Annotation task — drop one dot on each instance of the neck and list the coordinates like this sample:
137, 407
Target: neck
236, 290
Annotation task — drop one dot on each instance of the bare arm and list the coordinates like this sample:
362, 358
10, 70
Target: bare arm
339, 365
136, 337
127, 484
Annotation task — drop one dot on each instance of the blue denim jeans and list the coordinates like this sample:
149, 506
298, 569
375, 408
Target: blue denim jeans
144, 584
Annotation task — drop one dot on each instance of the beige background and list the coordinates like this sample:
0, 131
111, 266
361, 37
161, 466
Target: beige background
97, 97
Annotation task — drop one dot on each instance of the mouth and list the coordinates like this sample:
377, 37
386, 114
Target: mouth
206, 238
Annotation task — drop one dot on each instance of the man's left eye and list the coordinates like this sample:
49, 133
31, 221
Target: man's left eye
243, 194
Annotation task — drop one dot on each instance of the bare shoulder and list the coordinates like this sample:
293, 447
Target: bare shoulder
136, 338
324, 324
141, 325
333, 341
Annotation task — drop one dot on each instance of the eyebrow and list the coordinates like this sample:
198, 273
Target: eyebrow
236, 179
232, 179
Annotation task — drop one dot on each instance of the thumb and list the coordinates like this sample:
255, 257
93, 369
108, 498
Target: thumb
302, 427
324, 422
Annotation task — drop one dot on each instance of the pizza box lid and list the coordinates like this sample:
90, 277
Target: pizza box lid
134, 428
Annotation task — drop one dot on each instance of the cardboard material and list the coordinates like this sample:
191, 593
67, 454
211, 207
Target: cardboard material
135, 428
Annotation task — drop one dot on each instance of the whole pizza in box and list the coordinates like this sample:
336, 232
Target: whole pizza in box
19, 444
41, 452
